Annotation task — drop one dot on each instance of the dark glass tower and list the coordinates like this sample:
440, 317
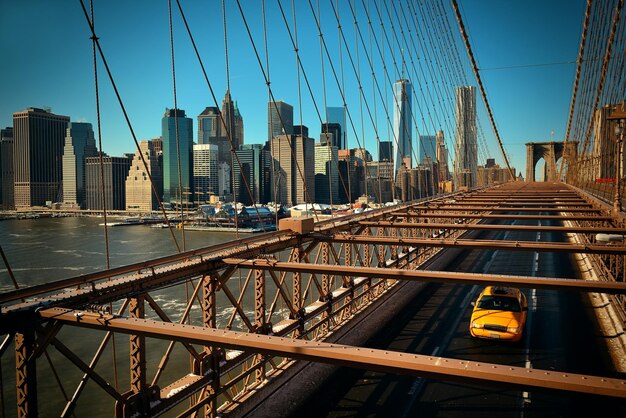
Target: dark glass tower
39, 136
171, 185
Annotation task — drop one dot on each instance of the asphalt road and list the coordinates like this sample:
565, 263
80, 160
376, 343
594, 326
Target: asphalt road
559, 335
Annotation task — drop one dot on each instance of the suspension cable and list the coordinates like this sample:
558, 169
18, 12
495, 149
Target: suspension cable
605, 64
126, 117
581, 53
222, 121
176, 115
480, 84
101, 158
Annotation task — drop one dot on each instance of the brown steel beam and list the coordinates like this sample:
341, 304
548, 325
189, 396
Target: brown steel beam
246, 244
441, 225
506, 204
496, 208
564, 247
370, 359
505, 217
436, 276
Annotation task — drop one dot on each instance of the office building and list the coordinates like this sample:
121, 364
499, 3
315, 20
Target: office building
279, 119
331, 132
385, 151
175, 191
79, 145
352, 176
251, 171
209, 125
442, 157
231, 122
427, 148
157, 144
38, 139
326, 174
139, 192
466, 145
205, 172
223, 180
223, 128
402, 124
492, 174
379, 180
113, 192
338, 115
7, 178
293, 157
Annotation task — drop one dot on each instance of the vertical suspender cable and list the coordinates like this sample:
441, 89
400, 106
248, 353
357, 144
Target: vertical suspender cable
229, 126
269, 98
176, 113
100, 153
126, 117
101, 162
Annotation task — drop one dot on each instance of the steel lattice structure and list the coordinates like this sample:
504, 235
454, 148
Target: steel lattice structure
288, 292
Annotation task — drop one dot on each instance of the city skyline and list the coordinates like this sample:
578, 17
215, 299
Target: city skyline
146, 90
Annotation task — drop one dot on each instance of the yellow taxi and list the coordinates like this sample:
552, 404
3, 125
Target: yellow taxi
499, 313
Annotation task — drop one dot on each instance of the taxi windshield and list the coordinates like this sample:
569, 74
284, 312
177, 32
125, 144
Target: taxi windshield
499, 303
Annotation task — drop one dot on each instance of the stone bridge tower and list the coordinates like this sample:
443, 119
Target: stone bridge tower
550, 152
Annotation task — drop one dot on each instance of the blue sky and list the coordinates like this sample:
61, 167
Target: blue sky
47, 61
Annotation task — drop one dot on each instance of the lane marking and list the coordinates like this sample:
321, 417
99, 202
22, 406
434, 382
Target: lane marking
531, 309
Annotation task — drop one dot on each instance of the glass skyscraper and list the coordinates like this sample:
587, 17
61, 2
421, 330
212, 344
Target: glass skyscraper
427, 148
171, 185
279, 119
338, 115
402, 100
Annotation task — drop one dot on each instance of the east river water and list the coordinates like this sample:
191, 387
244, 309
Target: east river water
48, 249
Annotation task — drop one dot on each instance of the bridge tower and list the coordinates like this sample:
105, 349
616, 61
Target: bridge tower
550, 152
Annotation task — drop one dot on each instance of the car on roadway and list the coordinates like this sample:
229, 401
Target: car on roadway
499, 313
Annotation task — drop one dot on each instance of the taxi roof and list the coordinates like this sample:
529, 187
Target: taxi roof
501, 291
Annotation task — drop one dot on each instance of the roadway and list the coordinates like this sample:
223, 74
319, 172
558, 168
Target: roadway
559, 335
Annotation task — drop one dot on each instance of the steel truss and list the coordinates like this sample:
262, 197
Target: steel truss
256, 304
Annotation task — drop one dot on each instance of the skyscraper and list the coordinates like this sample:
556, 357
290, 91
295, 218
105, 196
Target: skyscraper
115, 171
279, 119
79, 144
466, 145
338, 115
255, 163
385, 151
38, 137
335, 130
7, 200
238, 126
402, 102
231, 122
208, 125
171, 185
225, 130
326, 174
139, 193
293, 157
442, 157
427, 148
205, 171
